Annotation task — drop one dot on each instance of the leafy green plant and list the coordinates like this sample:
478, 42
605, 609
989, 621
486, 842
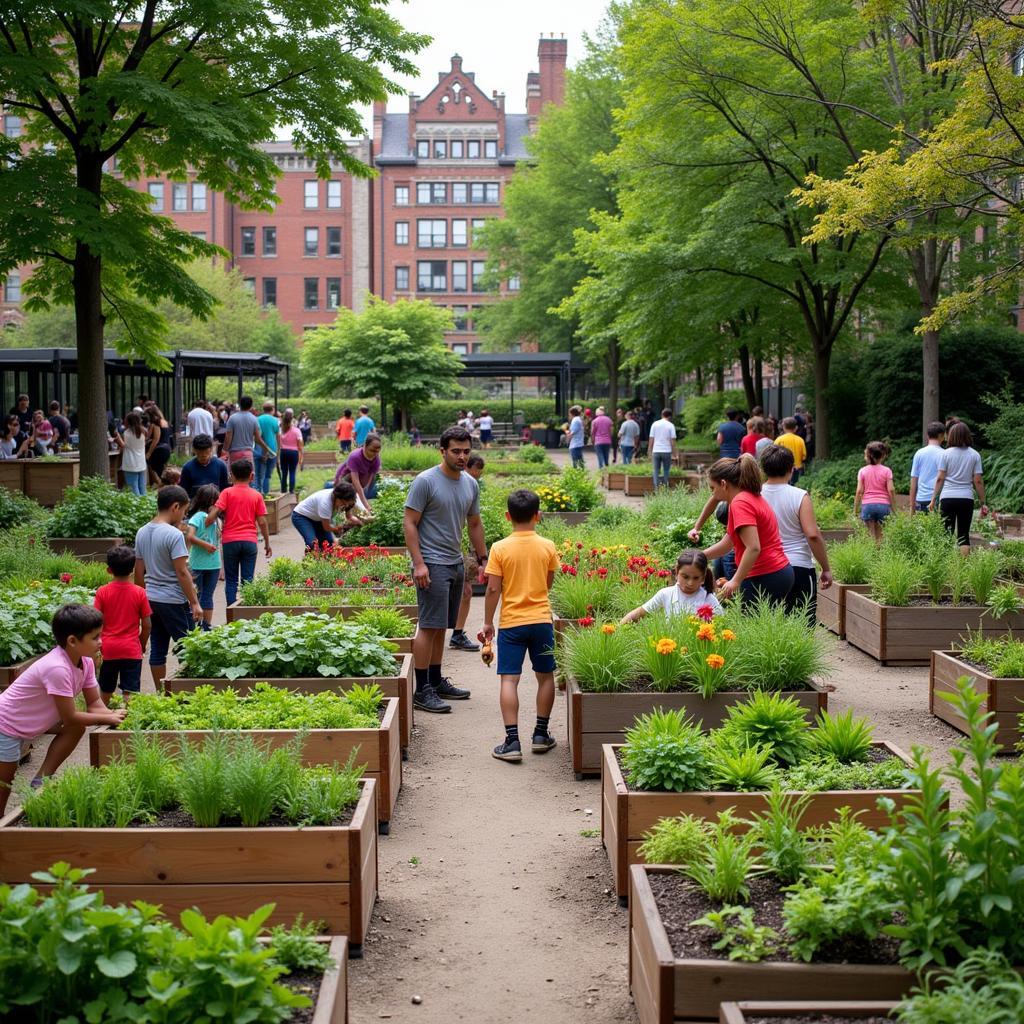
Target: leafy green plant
744, 769
851, 560
820, 774
204, 783
893, 578
770, 721
787, 851
386, 527
842, 736
956, 577
982, 569
26, 614
934, 571
581, 488
739, 935
600, 661
386, 621
94, 508
662, 651
1011, 558
676, 840
665, 750
296, 948
728, 860
18, 510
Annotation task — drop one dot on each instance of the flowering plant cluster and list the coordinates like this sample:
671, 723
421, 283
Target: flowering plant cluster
342, 567
605, 581
554, 499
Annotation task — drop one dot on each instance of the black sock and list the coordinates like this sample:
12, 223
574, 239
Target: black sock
512, 733
421, 679
434, 677
456, 633
541, 728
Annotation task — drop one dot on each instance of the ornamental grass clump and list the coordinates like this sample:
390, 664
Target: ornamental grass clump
775, 651
1002, 657
851, 560
601, 660
981, 569
894, 579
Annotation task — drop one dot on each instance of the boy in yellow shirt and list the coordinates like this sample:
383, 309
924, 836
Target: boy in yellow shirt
790, 439
520, 571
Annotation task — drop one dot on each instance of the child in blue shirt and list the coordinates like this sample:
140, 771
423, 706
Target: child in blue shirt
204, 548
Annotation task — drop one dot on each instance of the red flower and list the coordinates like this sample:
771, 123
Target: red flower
65, 577
364, 579
310, 582
587, 620
359, 552
602, 572
579, 546
373, 547
339, 583
279, 583
663, 573
705, 612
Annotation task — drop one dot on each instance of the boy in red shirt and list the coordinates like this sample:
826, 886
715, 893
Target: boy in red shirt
244, 511
126, 625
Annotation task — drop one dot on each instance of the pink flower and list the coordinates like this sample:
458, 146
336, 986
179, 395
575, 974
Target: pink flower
705, 612
65, 577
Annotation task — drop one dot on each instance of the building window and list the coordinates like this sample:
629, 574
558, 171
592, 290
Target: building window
156, 196
179, 196
461, 316
249, 284
431, 192
248, 241
311, 242
460, 348
198, 234
311, 194
334, 195
270, 291
476, 347
432, 234
401, 195
478, 226
401, 232
401, 279
491, 149
334, 241
198, 197
270, 241
459, 283
483, 192
513, 283
460, 192
478, 273
311, 290
12, 287
440, 149
333, 292
12, 126
459, 232
432, 276
473, 149
458, 149
422, 149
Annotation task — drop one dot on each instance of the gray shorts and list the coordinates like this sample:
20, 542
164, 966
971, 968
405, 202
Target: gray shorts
439, 603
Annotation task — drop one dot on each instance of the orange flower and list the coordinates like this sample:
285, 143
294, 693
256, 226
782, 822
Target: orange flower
728, 634
706, 632
666, 645
607, 629
715, 660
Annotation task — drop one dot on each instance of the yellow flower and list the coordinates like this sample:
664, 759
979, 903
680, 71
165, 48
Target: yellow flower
666, 645
728, 634
693, 620
715, 660
607, 629
707, 632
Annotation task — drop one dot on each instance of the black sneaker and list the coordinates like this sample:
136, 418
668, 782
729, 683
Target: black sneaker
427, 700
508, 751
543, 742
449, 692
463, 642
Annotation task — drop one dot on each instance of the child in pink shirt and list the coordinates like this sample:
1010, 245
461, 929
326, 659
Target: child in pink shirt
42, 699
875, 495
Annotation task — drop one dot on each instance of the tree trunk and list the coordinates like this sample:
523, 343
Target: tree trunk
930, 377
613, 378
699, 374
759, 381
92, 383
748, 380
719, 378
822, 440
778, 390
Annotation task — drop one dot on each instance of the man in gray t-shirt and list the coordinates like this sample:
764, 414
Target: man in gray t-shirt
242, 433
440, 502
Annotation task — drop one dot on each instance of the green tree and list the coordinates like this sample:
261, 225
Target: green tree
393, 350
164, 88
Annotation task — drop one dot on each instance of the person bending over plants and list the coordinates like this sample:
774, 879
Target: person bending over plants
42, 699
692, 592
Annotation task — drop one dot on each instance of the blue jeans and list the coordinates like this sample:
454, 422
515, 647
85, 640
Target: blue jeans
264, 470
576, 454
725, 566
662, 462
603, 451
312, 533
136, 482
239, 556
626, 451
206, 584
286, 469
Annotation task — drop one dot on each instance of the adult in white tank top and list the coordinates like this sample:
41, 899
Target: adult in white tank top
798, 529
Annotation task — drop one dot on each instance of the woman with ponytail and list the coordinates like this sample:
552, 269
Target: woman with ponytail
762, 569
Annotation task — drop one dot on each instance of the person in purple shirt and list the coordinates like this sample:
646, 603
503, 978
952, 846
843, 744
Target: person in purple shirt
601, 433
361, 469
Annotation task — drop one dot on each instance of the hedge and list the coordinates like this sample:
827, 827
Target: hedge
703, 413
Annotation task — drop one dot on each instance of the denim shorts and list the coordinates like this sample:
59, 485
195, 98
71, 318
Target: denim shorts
514, 641
438, 604
10, 747
875, 513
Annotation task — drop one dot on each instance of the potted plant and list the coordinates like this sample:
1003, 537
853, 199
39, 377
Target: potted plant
669, 767
94, 517
223, 825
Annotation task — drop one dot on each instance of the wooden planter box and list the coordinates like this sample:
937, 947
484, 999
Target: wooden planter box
907, 636
666, 989
1004, 698
627, 814
613, 481
399, 686
831, 606
238, 610
319, 458
378, 749
47, 481
595, 719
569, 518
812, 1012
89, 549
691, 460
8, 673
12, 474
637, 485
331, 1004
839, 534
279, 509
326, 873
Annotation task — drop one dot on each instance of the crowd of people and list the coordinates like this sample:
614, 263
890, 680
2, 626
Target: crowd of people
29, 434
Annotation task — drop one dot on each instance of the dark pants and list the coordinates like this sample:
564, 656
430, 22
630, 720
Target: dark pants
312, 533
287, 468
957, 514
603, 451
239, 558
804, 592
725, 566
774, 586
127, 670
576, 454
206, 581
171, 621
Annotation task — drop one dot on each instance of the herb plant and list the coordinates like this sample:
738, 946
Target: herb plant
777, 724
982, 569
745, 940
842, 736
665, 750
894, 578
725, 864
601, 661
297, 949
851, 560
676, 840
95, 508
386, 621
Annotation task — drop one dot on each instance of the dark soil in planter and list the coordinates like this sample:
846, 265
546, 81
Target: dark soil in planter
178, 818
944, 602
680, 901
643, 685
307, 983
817, 1018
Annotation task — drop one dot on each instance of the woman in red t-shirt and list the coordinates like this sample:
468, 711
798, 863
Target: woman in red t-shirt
762, 569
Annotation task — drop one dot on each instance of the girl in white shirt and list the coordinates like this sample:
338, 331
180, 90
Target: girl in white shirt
694, 587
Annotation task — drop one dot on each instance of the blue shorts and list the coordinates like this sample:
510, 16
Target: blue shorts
10, 747
875, 513
513, 642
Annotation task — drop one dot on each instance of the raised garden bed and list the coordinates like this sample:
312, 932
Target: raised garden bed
12, 474
331, 1003
8, 673
46, 481
908, 635
613, 481
806, 1011
595, 719
626, 814
666, 989
380, 750
326, 873
637, 485
236, 611
279, 508
837, 535
319, 458
569, 518
1004, 698
399, 686
831, 606
692, 459
89, 549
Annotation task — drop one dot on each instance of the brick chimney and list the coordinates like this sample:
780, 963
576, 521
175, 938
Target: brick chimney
551, 58
379, 109
533, 97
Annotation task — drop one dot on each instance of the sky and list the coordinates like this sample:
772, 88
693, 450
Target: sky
497, 40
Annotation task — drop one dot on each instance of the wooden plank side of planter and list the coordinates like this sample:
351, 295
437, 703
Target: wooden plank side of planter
12, 474
831, 606
598, 718
631, 813
613, 481
741, 1013
837, 535
8, 673
332, 997
88, 549
694, 989
47, 481
1004, 698
865, 624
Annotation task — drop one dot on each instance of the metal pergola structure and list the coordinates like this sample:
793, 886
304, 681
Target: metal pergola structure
45, 374
557, 365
